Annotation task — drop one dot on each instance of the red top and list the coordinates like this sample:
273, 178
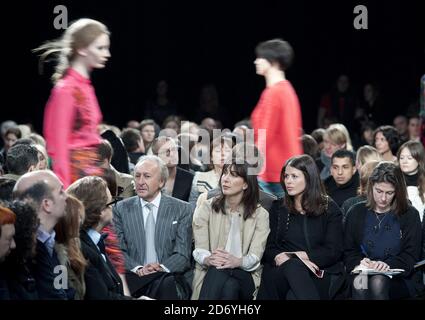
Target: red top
278, 111
71, 117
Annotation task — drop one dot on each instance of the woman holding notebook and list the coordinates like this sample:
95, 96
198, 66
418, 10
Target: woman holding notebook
382, 234
303, 255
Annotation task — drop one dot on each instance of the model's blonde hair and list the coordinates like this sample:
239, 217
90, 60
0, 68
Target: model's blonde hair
80, 34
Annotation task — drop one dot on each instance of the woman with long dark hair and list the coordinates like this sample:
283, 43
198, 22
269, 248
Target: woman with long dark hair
383, 233
305, 238
230, 234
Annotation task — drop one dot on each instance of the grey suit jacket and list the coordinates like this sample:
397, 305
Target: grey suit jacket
173, 232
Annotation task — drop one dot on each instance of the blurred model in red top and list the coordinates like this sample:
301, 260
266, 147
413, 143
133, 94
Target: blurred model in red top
277, 112
72, 112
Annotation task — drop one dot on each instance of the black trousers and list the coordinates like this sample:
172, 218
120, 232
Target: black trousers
227, 284
158, 285
292, 281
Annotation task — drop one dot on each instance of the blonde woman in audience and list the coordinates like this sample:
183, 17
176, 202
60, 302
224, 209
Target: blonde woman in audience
336, 137
411, 158
366, 154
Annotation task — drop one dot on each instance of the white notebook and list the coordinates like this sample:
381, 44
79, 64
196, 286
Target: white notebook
365, 270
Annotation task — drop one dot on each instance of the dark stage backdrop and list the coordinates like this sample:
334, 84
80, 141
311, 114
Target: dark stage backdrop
193, 43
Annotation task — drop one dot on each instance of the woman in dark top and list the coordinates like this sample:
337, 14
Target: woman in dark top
411, 157
309, 223
382, 233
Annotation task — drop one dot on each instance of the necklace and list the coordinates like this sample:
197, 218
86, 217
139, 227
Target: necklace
378, 226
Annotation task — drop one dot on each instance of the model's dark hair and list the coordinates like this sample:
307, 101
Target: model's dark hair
391, 135
276, 51
251, 196
387, 171
314, 199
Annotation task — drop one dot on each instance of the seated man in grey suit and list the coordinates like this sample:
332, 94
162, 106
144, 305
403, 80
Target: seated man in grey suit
154, 231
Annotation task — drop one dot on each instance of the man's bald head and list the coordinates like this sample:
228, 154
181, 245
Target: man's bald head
35, 186
30, 179
44, 191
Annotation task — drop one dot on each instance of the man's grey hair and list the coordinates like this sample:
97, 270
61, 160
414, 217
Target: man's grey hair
161, 164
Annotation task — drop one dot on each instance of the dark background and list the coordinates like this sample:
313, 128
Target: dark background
194, 43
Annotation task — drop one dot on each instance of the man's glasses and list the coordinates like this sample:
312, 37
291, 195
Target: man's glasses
113, 202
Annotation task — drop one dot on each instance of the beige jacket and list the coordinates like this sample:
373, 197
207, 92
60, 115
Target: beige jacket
125, 184
211, 230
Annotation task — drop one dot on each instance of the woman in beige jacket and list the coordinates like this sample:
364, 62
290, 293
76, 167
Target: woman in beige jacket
230, 233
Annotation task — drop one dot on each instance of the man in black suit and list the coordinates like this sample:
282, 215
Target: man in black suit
44, 191
179, 181
155, 233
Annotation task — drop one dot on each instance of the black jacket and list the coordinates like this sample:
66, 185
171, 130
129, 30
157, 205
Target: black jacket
340, 193
411, 240
22, 284
102, 281
323, 234
44, 273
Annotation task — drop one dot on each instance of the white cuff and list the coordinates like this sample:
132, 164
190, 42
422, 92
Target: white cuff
200, 254
250, 262
136, 268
